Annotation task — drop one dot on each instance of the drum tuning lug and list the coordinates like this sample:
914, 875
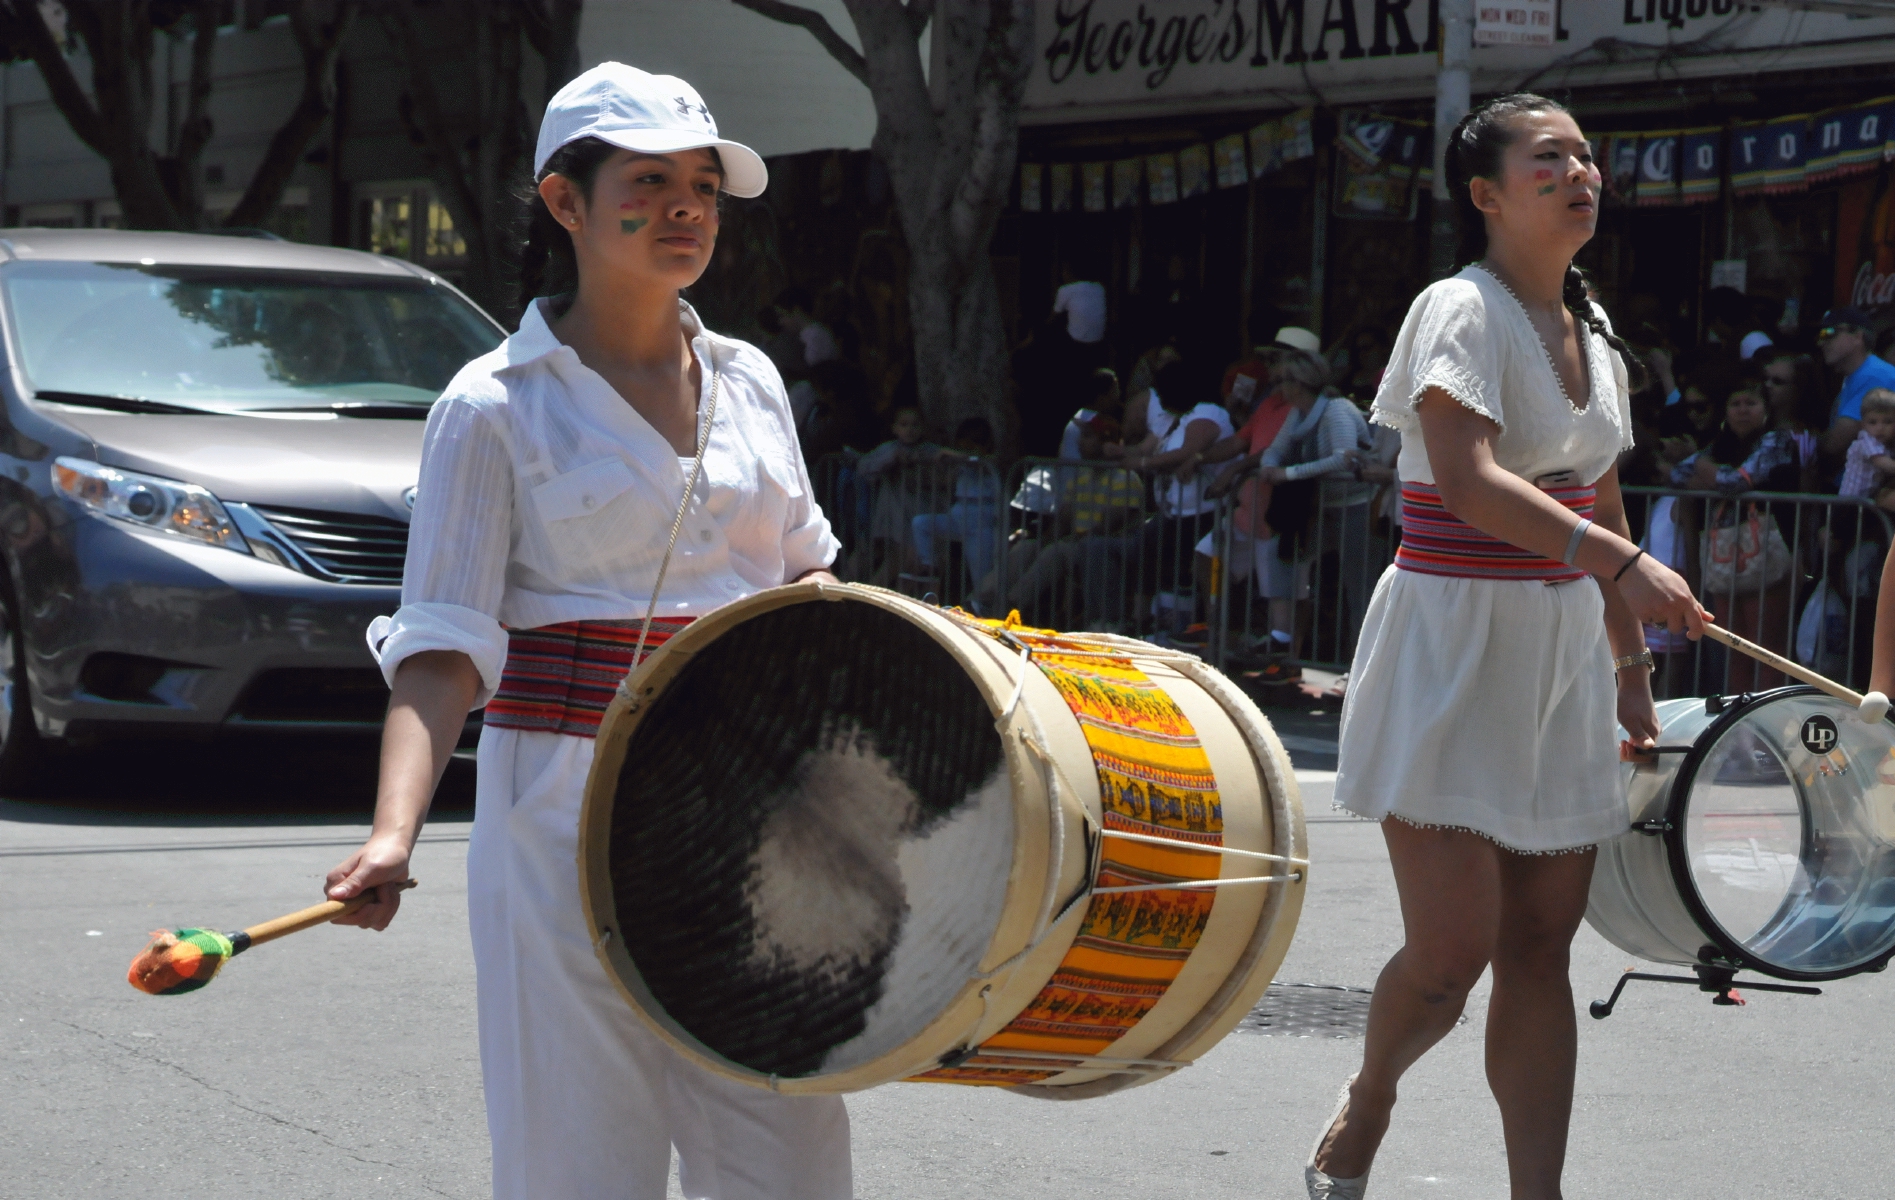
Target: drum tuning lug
1713, 705
955, 1058
1656, 827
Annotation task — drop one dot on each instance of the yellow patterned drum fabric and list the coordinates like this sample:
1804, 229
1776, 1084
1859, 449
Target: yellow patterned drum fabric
1154, 779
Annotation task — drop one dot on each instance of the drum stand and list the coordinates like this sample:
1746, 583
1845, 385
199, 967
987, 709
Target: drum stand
1714, 979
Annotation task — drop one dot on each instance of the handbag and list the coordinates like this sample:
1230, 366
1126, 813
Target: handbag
1745, 556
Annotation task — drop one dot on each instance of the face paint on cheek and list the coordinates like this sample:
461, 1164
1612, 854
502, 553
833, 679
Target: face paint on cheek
1543, 177
633, 225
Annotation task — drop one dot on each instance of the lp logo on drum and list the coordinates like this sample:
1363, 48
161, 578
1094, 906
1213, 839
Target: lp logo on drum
1819, 735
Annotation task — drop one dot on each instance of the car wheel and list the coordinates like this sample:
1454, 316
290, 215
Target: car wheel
22, 753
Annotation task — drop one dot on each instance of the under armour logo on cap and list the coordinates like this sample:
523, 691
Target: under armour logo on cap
647, 114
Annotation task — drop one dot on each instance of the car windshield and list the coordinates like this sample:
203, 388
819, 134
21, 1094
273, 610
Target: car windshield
228, 339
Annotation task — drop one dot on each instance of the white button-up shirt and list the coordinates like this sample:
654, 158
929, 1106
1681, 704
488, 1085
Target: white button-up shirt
545, 497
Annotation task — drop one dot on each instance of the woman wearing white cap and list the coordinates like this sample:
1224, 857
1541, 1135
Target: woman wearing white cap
551, 475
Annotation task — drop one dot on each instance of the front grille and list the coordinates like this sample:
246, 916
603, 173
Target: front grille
356, 695
350, 547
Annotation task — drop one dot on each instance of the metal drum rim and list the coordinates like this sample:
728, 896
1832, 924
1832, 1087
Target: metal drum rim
1678, 858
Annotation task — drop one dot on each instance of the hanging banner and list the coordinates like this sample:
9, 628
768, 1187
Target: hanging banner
1514, 22
1266, 151
1747, 157
1059, 178
1194, 170
1092, 185
1298, 140
1701, 169
1785, 146
1621, 170
1031, 175
1847, 141
1232, 170
1658, 168
1127, 174
1375, 174
1161, 178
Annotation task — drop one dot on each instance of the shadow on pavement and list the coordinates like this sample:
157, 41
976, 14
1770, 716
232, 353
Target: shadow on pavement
253, 780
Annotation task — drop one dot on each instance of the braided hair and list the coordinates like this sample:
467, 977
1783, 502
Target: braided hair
1477, 149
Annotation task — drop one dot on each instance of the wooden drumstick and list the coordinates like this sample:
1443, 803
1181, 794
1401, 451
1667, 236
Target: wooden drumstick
1870, 708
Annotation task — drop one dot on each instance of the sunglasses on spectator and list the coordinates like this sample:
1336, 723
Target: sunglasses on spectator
1829, 331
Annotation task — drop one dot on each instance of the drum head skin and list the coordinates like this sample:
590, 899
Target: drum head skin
1785, 838
813, 819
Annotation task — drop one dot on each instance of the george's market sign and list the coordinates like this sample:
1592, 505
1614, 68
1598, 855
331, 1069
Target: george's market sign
1133, 52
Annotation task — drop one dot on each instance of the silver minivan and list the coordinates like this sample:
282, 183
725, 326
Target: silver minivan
208, 453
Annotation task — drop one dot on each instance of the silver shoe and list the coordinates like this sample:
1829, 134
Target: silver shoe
1327, 1187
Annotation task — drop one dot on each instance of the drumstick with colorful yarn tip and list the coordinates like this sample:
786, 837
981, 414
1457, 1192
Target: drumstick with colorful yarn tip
184, 960
1870, 708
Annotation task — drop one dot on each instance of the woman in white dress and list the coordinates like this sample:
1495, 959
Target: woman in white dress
1479, 727
551, 475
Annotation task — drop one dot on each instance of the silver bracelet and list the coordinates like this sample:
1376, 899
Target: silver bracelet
1572, 543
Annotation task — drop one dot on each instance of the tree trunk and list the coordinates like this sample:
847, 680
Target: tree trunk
475, 173
950, 168
320, 27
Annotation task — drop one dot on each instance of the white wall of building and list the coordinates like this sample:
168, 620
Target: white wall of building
770, 86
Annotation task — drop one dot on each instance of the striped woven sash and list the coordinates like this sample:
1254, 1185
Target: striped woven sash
1436, 542
560, 678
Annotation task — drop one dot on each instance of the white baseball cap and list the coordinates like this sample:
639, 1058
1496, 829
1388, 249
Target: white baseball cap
1298, 338
651, 114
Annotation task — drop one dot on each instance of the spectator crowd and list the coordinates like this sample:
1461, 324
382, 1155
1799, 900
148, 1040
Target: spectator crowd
1154, 494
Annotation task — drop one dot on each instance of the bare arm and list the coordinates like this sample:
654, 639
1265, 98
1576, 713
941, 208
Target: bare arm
1622, 630
1476, 489
426, 710
1227, 448
1198, 436
1837, 437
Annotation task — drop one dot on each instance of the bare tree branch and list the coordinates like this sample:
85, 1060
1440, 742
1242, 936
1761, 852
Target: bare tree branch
552, 26
182, 177
819, 27
24, 21
920, 12
430, 120
320, 43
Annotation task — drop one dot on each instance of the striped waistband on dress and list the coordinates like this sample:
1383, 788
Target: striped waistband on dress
1436, 542
560, 678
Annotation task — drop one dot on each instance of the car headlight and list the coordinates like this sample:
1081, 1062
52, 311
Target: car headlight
166, 505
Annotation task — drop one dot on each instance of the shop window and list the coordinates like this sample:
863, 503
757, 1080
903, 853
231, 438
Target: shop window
443, 241
408, 221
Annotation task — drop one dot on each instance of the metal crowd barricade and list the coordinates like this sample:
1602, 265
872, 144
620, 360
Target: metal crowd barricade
1080, 552
1315, 586
1794, 572
920, 526
1797, 573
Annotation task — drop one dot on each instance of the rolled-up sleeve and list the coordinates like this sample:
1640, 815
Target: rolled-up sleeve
458, 547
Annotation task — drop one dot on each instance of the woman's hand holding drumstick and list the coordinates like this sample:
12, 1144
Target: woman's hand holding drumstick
426, 709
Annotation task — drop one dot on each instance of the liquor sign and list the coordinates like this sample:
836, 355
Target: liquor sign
1514, 22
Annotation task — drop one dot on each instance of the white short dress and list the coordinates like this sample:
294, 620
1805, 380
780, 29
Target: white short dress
1487, 704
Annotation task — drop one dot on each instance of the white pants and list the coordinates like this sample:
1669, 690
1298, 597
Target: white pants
583, 1102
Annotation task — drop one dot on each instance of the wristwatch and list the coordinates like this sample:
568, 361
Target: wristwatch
1642, 659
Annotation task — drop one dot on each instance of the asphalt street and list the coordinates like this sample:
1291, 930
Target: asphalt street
344, 1063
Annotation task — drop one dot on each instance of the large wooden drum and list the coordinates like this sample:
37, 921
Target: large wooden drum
835, 838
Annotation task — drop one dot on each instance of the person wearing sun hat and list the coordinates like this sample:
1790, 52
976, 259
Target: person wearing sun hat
554, 471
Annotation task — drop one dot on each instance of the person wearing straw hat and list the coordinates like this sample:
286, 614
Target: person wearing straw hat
610, 472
